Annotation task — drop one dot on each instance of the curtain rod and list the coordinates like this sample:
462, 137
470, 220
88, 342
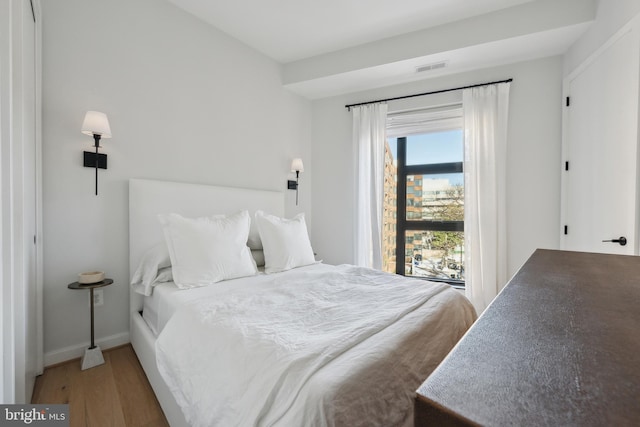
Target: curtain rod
427, 93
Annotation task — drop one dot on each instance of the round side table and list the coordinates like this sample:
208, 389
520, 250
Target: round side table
93, 355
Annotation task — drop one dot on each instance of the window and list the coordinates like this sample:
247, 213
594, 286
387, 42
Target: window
424, 198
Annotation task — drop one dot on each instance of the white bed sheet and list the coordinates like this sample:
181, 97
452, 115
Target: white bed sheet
265, 351
167, 297
162, 303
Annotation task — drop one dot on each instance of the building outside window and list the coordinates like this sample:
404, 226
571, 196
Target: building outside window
423, 230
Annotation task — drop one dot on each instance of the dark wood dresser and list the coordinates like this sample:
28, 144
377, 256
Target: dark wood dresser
560, 346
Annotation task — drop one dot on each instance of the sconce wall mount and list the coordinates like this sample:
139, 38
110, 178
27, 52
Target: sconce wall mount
96, 124
297, 167
89, 160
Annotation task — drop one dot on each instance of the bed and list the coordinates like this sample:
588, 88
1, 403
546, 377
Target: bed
315, 345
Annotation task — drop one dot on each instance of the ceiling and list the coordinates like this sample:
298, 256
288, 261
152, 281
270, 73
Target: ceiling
290, 30
332, 47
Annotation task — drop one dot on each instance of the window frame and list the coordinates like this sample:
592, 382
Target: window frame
403, 224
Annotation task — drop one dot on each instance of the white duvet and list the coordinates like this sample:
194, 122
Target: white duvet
318, 346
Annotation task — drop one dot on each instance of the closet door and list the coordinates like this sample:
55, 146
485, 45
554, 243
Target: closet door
31, 317
20, 305
600, 148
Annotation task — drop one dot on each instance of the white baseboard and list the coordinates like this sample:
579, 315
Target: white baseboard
76, 351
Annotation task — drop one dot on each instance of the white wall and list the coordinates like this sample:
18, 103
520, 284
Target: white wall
611, 16
534, 158
185, 101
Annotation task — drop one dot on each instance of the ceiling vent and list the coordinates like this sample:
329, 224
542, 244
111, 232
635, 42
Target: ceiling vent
431, 67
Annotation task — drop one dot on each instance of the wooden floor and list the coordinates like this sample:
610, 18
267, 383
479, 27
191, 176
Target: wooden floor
114, 394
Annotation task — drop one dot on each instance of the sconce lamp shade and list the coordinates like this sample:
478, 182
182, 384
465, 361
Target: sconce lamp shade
96, 123
297, 166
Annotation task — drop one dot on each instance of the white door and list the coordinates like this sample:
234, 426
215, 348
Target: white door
20, 323
29, 196
600, 146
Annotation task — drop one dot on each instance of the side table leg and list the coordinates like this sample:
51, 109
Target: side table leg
93, 345
93, 355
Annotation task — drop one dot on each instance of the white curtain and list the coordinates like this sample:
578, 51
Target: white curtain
485, 110
369, 135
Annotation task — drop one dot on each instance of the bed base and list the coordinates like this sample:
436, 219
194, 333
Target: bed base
144, 344
147, 198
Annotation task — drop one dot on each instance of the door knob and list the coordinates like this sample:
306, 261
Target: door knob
622, 240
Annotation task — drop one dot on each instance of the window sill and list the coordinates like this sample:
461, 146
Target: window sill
456, 284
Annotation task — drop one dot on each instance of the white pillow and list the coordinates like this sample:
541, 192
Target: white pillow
254, 242
285, 242
258, 256
151, 269
209, 249
164, 275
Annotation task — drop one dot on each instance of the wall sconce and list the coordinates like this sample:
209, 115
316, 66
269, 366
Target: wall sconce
96, 124
297, 167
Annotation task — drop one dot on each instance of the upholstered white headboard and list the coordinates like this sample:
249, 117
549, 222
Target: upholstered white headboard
148, 198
